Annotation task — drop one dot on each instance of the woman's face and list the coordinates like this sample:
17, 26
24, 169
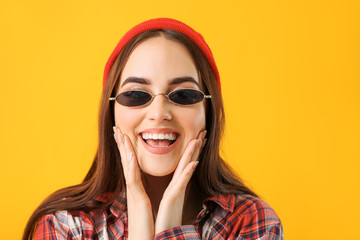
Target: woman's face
159, 65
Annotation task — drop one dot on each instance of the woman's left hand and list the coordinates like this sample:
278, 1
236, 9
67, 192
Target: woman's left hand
171, 206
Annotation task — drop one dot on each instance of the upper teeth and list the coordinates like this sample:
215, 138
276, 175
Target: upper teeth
161, 136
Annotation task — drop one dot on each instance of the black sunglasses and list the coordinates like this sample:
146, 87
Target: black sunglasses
181, 97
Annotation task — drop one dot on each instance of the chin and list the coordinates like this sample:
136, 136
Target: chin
157, 165
158, 172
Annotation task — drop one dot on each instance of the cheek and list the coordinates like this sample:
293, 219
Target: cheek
126, 120
193, 121
199, 120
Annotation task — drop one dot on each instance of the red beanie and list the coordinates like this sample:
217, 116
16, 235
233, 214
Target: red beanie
164, 23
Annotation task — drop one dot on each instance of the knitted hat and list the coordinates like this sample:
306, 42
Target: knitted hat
164, 23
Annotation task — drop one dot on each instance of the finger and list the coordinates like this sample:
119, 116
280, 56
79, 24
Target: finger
185, 158
202, 134
126, 152
184, 178
133, 181
198, 148
119, 138
128, 157
131, 160
204, 143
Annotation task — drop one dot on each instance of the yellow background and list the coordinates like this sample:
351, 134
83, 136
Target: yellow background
291, 85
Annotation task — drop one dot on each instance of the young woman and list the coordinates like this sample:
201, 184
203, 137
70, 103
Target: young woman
157, 173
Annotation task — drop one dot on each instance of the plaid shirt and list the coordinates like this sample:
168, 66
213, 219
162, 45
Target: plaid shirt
222, 217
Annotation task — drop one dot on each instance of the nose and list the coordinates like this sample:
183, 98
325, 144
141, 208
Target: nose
160, 108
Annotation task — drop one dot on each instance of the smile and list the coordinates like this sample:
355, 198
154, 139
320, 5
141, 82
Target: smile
159, 141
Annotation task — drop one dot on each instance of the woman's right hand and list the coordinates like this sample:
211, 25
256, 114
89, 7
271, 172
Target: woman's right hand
140, 217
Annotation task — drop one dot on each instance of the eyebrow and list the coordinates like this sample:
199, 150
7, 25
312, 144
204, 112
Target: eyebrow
135, 80
183, 79
172, 82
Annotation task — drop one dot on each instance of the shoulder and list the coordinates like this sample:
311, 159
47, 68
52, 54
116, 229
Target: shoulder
256, 219
246, 217
61, 225
250, 206
53, 226
80, 224
58, 225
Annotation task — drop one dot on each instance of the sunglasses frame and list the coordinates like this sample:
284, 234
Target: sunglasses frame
164, 94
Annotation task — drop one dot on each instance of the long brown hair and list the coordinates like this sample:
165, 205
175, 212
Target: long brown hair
212, 177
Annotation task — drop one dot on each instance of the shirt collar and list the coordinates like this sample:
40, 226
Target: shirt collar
118, 207
227, 202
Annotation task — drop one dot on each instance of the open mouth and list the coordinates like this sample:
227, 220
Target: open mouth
159, 140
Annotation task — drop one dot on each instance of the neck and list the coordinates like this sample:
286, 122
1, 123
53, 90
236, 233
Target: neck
155, 187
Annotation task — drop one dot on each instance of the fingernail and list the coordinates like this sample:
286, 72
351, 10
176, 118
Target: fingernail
204, 142
195, 164
115, 137
114, 129
130, 156
199, 143
122, 137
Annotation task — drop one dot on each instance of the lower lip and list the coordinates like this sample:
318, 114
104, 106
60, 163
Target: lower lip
158, 150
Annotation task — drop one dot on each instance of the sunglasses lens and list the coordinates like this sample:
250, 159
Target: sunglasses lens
186, 96
133, 98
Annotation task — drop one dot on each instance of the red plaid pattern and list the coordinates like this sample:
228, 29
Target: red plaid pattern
222, 217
